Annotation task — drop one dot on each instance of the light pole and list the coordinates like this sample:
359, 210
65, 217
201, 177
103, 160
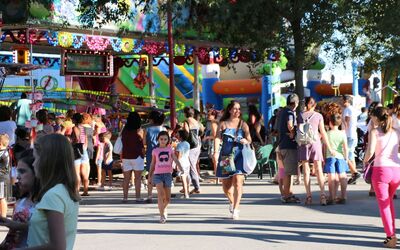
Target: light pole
171, 67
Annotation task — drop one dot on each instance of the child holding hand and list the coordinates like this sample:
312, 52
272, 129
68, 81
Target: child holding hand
161, 172
336, 166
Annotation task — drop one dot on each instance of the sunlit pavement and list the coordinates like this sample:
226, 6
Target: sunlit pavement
202, 222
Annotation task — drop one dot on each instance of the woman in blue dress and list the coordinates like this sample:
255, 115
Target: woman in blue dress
233, 132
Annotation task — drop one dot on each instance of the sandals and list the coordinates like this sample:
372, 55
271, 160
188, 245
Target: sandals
390, 242
291, 199
308, 201
340, 201
322, 200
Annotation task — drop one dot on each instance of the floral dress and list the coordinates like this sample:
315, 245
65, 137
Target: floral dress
228, 147
23, 211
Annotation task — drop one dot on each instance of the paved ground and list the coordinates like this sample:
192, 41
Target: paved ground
202, 222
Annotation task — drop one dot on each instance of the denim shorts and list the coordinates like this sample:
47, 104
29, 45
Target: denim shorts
107, 166
84, 158
335, 165
351, 144
166, 179
99, 162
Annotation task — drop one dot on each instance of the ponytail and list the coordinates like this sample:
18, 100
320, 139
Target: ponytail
384, 119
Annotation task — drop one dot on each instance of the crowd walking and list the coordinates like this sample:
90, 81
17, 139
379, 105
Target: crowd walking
65, 155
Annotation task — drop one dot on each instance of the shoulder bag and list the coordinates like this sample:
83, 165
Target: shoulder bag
227, 162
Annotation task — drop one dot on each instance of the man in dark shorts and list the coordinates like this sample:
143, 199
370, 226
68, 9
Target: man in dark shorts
288, 146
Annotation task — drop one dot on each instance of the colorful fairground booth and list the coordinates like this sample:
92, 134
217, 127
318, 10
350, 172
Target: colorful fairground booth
45, 51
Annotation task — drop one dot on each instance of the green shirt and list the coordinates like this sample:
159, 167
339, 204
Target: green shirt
336, 139
55, 199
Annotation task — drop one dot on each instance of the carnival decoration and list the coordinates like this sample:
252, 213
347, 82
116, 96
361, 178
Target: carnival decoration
78, 40
127, 45
153, 48
97, 43
141, 78
87, 63
276, 63
65, 39
116, 44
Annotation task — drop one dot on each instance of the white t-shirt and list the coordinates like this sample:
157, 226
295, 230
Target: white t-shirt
184, 148
351, 130
8, 127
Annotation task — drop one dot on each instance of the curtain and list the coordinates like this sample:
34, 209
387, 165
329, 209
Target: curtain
101, 83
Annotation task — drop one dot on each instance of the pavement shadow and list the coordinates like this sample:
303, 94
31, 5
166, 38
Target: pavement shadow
266, 231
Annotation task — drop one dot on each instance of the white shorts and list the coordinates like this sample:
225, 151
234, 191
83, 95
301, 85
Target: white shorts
133, 164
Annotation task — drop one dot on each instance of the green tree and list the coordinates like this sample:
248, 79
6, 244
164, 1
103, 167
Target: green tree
301, 26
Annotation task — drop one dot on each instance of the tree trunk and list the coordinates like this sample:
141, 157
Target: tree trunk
299, 56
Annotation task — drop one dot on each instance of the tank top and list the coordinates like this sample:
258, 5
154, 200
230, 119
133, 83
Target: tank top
387, 150
132, 144
82, 134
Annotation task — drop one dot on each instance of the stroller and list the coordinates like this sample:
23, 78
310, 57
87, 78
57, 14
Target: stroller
361, 146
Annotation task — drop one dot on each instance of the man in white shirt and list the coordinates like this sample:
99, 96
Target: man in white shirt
349, 124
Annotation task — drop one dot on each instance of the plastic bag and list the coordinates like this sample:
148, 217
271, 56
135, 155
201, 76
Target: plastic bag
118, 146
249, 159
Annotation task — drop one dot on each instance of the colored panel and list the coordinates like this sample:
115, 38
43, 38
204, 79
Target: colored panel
237, 87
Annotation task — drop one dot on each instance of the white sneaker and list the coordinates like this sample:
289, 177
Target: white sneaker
166, 214
230, 208
235, 214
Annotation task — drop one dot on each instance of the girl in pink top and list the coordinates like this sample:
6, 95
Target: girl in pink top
161, 172
384, 143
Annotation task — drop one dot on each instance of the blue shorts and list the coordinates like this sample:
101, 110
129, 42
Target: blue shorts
351, 145
84, 158
107, 166
335, 165
166, 179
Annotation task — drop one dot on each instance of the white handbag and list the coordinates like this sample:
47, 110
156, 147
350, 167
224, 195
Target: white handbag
249, 159
118, 146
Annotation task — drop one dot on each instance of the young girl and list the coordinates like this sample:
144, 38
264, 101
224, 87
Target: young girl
182, 153
161, 172
54, 222
29, 188
107, 159
4, 173
336, 166
99, 160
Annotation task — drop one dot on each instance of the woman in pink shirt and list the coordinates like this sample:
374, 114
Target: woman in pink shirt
384, 144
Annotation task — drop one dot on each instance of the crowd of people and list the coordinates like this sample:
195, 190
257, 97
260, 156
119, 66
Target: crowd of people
61, 155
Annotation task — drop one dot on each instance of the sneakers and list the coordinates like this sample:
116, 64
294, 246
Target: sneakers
354, 178
390, 242
230, 208
163, 220
235, 214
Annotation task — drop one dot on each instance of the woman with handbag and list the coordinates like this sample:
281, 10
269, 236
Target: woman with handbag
234, 133
192, 126
385, 177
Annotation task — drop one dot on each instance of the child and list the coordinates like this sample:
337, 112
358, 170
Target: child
182, 153
281, 173
161, 172
99, 159
29, 188
336, 166
107, 159
58, 198
4, 173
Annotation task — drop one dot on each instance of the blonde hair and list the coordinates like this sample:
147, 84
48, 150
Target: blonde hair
4, 140
56, 164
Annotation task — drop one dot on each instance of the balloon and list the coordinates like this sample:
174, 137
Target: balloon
38, 10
